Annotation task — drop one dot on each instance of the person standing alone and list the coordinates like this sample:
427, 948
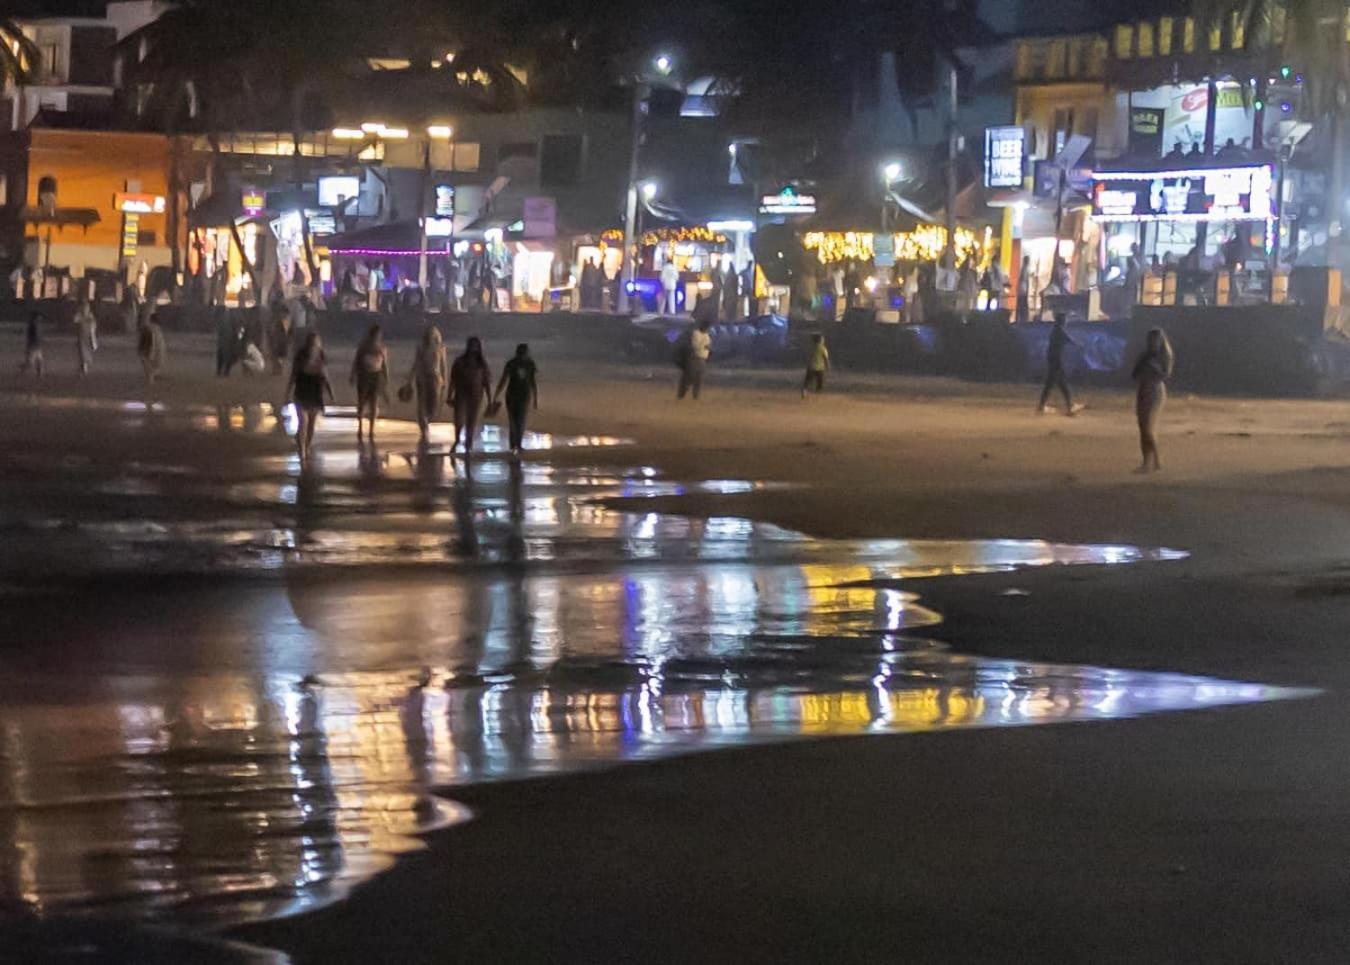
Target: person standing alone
32, 345
817, 365
694, 360
1054, 368
86, 337
670, 281
1151, 373
519, 379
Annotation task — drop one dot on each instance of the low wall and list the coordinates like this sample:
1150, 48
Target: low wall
1259, 349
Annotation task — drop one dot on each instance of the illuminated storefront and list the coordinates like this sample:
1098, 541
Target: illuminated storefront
1193, 220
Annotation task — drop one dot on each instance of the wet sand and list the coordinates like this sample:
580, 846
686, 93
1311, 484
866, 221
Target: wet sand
1209, 836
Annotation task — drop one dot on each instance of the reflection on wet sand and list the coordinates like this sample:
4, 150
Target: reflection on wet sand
238, 748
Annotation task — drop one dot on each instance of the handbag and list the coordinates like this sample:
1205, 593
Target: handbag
405, 392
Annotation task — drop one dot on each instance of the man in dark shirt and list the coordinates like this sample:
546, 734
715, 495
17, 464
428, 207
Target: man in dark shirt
518, 379
1054, 368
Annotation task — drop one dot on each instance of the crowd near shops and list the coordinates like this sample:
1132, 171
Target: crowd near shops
1127, 169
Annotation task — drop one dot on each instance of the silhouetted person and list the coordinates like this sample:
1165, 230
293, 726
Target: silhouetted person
817, 365
32, 345
370, 375
519, 379
470, 387
1055, 377
1150, 373
1022, 312
307, 388
694, 360
428, 379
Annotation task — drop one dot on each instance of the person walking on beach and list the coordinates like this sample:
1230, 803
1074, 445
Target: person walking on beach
428, 379
470, 387
1055, 377
370, 375
519, 377
694, 360
32, 345
1151, 373
150, 348
86, 337
817, 365
307, 387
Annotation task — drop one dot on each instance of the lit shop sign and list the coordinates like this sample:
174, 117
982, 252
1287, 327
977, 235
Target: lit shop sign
1005, 151
139, 203
1215, 194
252, 201
787, 201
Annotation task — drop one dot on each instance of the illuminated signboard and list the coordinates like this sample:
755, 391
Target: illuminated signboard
787, 201
1213, 194
1005, 151
440, 227
252, 201
129, 203
336, 189
445, 200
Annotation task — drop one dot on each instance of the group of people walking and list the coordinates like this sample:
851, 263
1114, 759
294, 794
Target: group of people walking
150, 347
464, 385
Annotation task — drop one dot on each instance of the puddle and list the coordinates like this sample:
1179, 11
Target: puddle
252, 740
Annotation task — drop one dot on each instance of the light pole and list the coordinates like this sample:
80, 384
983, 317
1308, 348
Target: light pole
435, 132
890, 173
662, 65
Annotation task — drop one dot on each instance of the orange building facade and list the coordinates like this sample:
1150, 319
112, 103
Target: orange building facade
93, 171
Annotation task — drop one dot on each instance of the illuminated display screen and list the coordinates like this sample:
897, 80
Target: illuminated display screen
1215, 194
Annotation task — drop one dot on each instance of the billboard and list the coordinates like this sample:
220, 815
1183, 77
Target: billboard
1184, 108
1005, 152
1213, 194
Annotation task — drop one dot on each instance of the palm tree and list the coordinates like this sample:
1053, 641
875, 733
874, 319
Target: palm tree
1310, 34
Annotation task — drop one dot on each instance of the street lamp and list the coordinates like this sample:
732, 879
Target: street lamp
892, 172
662, 65
648, 190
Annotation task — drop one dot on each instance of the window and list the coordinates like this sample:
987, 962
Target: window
1215, 34
1087, 124
1054, 65
561, 159
1063, 126
1075, 67
1146, 40
1188, 35
51, 60
1124, 41
1097, 57
466, 156
1165, 27
1237, 32
517, 151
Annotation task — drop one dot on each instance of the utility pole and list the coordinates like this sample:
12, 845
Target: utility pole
628, 270
422, 221
949, 250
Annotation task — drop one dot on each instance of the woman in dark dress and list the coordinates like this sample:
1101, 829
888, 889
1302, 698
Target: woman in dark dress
470, 387
307, 387
370, 375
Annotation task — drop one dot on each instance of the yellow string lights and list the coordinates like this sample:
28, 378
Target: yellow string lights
924, 243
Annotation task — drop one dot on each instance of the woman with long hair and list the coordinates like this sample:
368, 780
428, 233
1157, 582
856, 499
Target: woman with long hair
370, 375
428, 379
307, 387
470, 387
1150, 373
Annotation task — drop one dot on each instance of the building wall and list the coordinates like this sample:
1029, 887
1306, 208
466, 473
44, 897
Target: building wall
90, 167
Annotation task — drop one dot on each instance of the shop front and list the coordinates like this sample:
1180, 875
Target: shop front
1193, 231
